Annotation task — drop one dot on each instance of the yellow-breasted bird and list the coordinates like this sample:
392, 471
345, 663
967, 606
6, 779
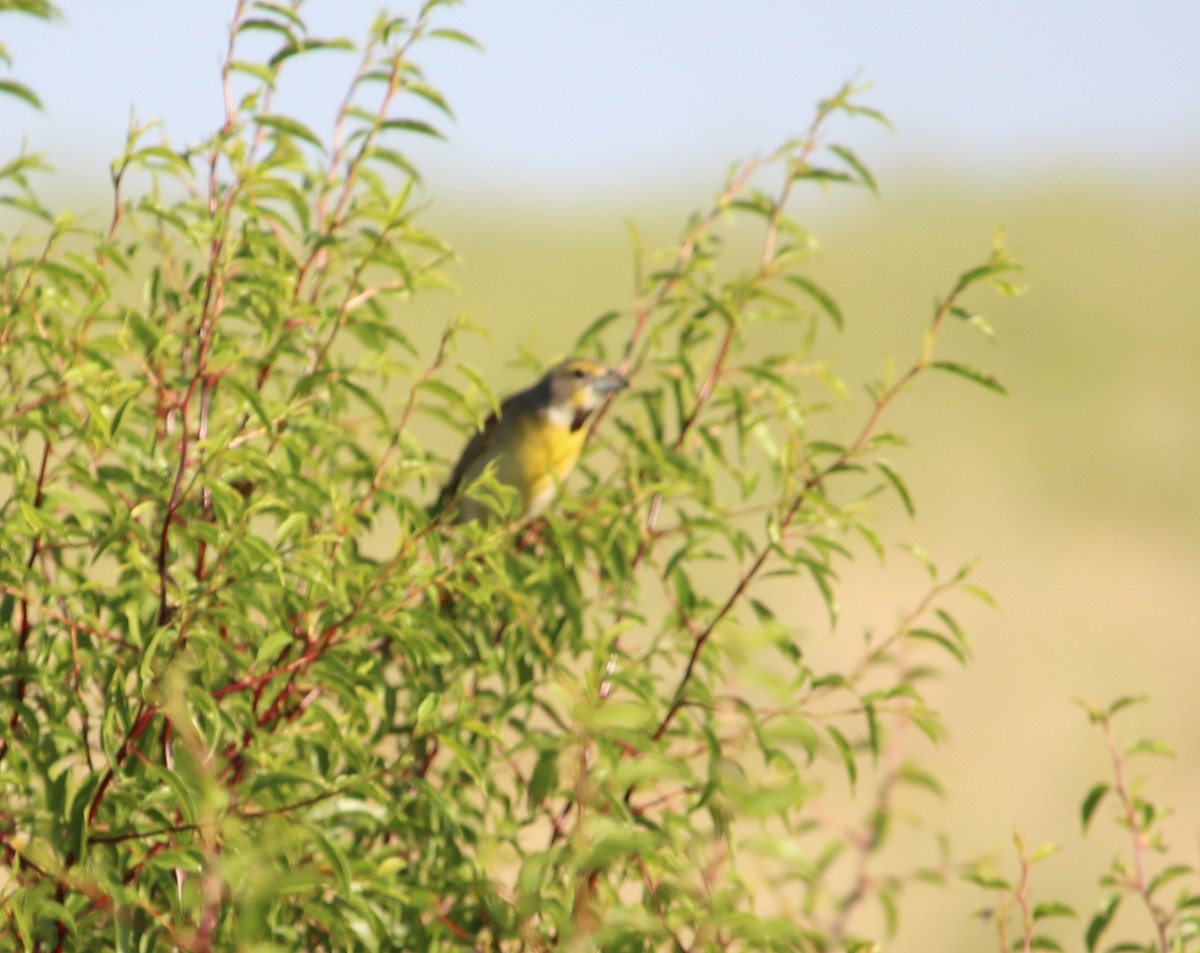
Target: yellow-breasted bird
534, 439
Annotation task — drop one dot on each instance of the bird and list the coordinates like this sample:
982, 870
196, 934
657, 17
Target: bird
534, 439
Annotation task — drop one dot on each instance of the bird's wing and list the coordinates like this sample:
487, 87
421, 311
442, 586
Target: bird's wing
485, 444
477, 448
482, 446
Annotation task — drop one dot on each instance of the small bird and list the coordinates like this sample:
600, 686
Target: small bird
534, 439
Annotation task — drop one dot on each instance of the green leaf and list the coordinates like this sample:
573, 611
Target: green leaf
1126, 701
544, 778
77, 826
975, 275
1173, 872
1100, 921
291, 127
1042, 851
412, 125
1091, 802
873, 114
987, 879
268, 653
395, 159
1149, 746
463, 755
819, 174
911, 774
1008, 289
898, 485
873, 734
1051, 909
339, 863
455, 36
818, 294
253, 24
978, 592
10, 88
951, 646
971, 374
591, 334
853, 161
431, 96
262, 73
847, 753
976, 321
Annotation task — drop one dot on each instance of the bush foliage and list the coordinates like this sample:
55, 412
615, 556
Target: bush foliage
256, 697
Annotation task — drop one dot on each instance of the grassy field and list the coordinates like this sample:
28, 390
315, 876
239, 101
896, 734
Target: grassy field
1077, 492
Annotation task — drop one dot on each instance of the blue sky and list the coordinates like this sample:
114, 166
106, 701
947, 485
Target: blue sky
607, 96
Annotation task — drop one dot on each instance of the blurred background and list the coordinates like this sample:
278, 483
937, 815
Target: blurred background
1075, 128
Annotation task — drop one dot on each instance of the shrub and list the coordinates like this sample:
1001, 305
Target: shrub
256, 697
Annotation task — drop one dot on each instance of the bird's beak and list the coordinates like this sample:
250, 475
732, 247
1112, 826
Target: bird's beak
610, 382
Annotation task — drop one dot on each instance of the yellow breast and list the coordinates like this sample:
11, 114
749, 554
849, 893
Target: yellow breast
541, 457
532, 454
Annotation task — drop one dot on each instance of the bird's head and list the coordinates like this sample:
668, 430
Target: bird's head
577, 386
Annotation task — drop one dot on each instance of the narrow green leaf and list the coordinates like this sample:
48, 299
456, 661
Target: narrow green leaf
951, 646
463, 755
820, 296
412, 125
19, 91
898, 485
262, 73
977, 321
77, 827
291, 528
1091, 802
339, 863
847, 753
872, 731
291, 127
115, 425
971, 374
975, 275
1051, 909
268, 652
455, 36
872, 114
431, 96
1149, 746
1126, 701
544, 778
1008, 289
1100, 921
853, 161
978, 592
591, 334
395, 159
821, 175
1173, 872
911, 774
281, 11
987, 879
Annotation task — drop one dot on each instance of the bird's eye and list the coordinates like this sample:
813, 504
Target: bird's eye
578, 372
